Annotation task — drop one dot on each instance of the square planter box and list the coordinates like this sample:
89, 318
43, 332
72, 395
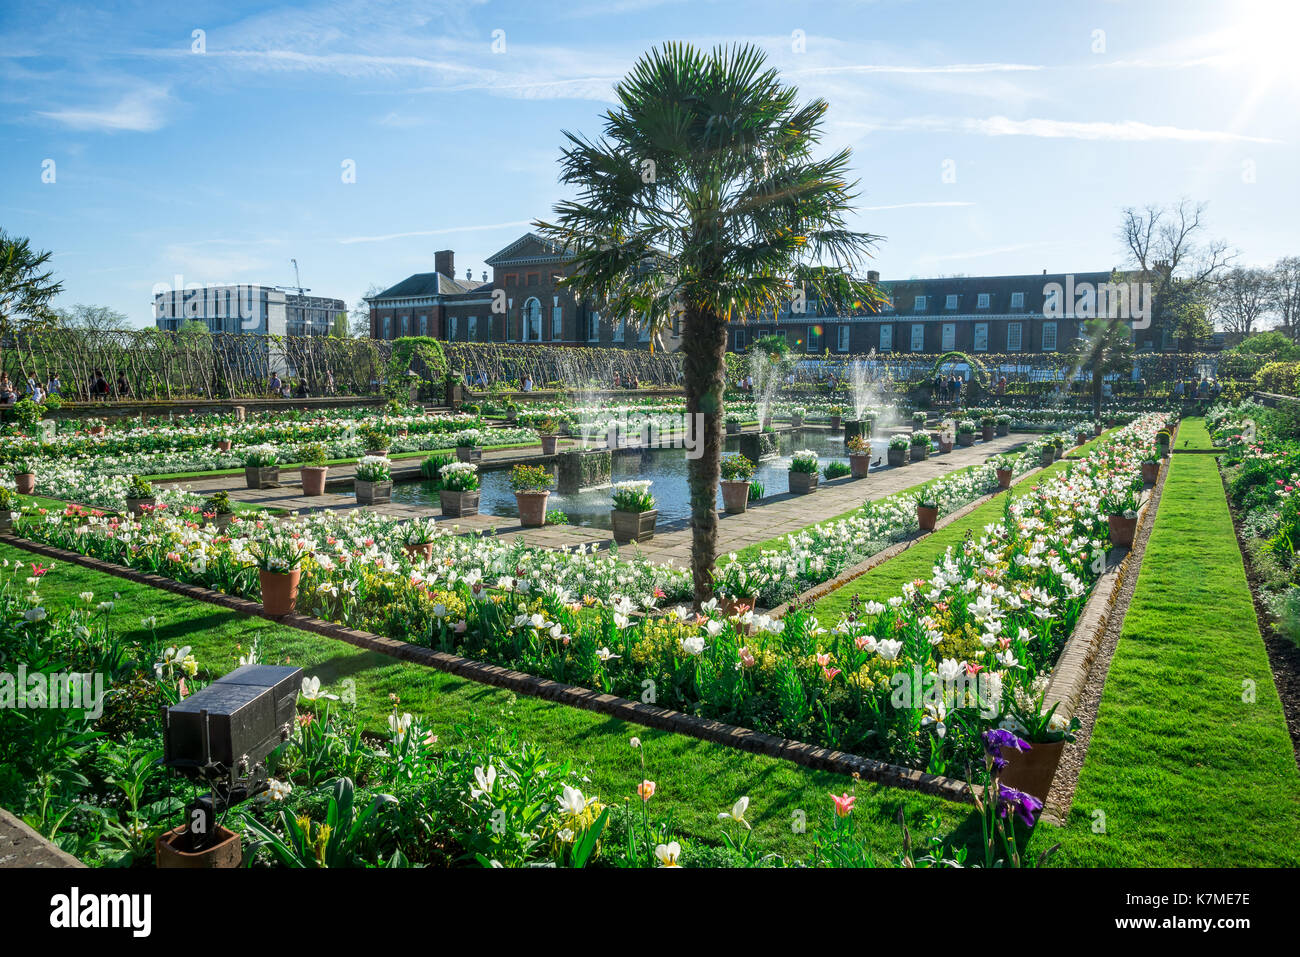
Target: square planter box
1004, 428
733, 428
796, 421
137, 506
801, 483
549, 444
899, 456
373, 493
987, 433
965, 438
1048, 456
920, 453
262, 478
634, 526
458, 504
469, 453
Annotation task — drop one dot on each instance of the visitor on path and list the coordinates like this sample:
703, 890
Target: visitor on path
123, 388
528, 383
7, 393
53, 386
956, 391
99, 387
1178, 388
276, 385
329, 382
301, 392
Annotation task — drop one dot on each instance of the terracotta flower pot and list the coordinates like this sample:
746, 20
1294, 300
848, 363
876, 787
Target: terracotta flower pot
279, 591
171, 849
1150, 472
532, 508
735, 496
633, 526
1121, 529
802, 483
1080, 438
313, 479
1032, 771
860, 465
926, 517
97, 430
986, 433
416, 552
945, 446
1004, 478
458, 504
549, 444
1098, 429
469, 453
1047, 457
380, 453
26, 482
223, 445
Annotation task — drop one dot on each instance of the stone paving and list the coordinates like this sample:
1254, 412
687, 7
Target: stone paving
779, 514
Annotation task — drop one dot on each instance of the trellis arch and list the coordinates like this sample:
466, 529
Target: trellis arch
976, 367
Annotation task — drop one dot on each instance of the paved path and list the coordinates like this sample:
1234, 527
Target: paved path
784, 513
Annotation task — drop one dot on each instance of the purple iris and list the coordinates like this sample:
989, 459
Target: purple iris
995, 739
1025, 806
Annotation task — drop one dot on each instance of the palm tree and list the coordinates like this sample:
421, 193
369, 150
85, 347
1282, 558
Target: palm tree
703, 199
26, 288
1104, 348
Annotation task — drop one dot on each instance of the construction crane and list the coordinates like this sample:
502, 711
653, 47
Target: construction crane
297, 280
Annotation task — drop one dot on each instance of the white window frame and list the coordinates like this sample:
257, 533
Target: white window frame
809, 334
424, 325
1018, 329
918, 337
981, 340
919, 304
1017, 300
525, 326
982, 301
950, 302
948, 337
842, 338
620, 330
886, 337
1049, 327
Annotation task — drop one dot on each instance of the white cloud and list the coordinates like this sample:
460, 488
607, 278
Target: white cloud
140, 111
1125, 131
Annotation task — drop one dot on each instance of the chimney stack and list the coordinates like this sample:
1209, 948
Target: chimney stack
444, 261
873, 275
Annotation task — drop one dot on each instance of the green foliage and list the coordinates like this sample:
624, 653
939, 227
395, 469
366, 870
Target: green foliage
531, 478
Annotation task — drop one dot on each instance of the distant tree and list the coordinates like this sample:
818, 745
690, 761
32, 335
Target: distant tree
1165, 245
776, 345
361, 313
1242, 298
339, 326
92, 318
1286, 294
1272, 345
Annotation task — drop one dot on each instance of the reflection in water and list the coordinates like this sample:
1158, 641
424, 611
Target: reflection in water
666, 468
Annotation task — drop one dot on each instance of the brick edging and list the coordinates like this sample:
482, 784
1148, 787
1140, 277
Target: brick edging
649, 715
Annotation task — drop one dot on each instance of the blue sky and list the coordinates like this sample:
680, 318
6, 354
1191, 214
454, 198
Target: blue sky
989, 138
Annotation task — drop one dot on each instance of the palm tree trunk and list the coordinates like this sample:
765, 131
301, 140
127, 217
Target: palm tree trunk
704, 347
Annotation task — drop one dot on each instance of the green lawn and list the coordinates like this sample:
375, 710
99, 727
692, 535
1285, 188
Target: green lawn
1187, 767
888, 578
696, 779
